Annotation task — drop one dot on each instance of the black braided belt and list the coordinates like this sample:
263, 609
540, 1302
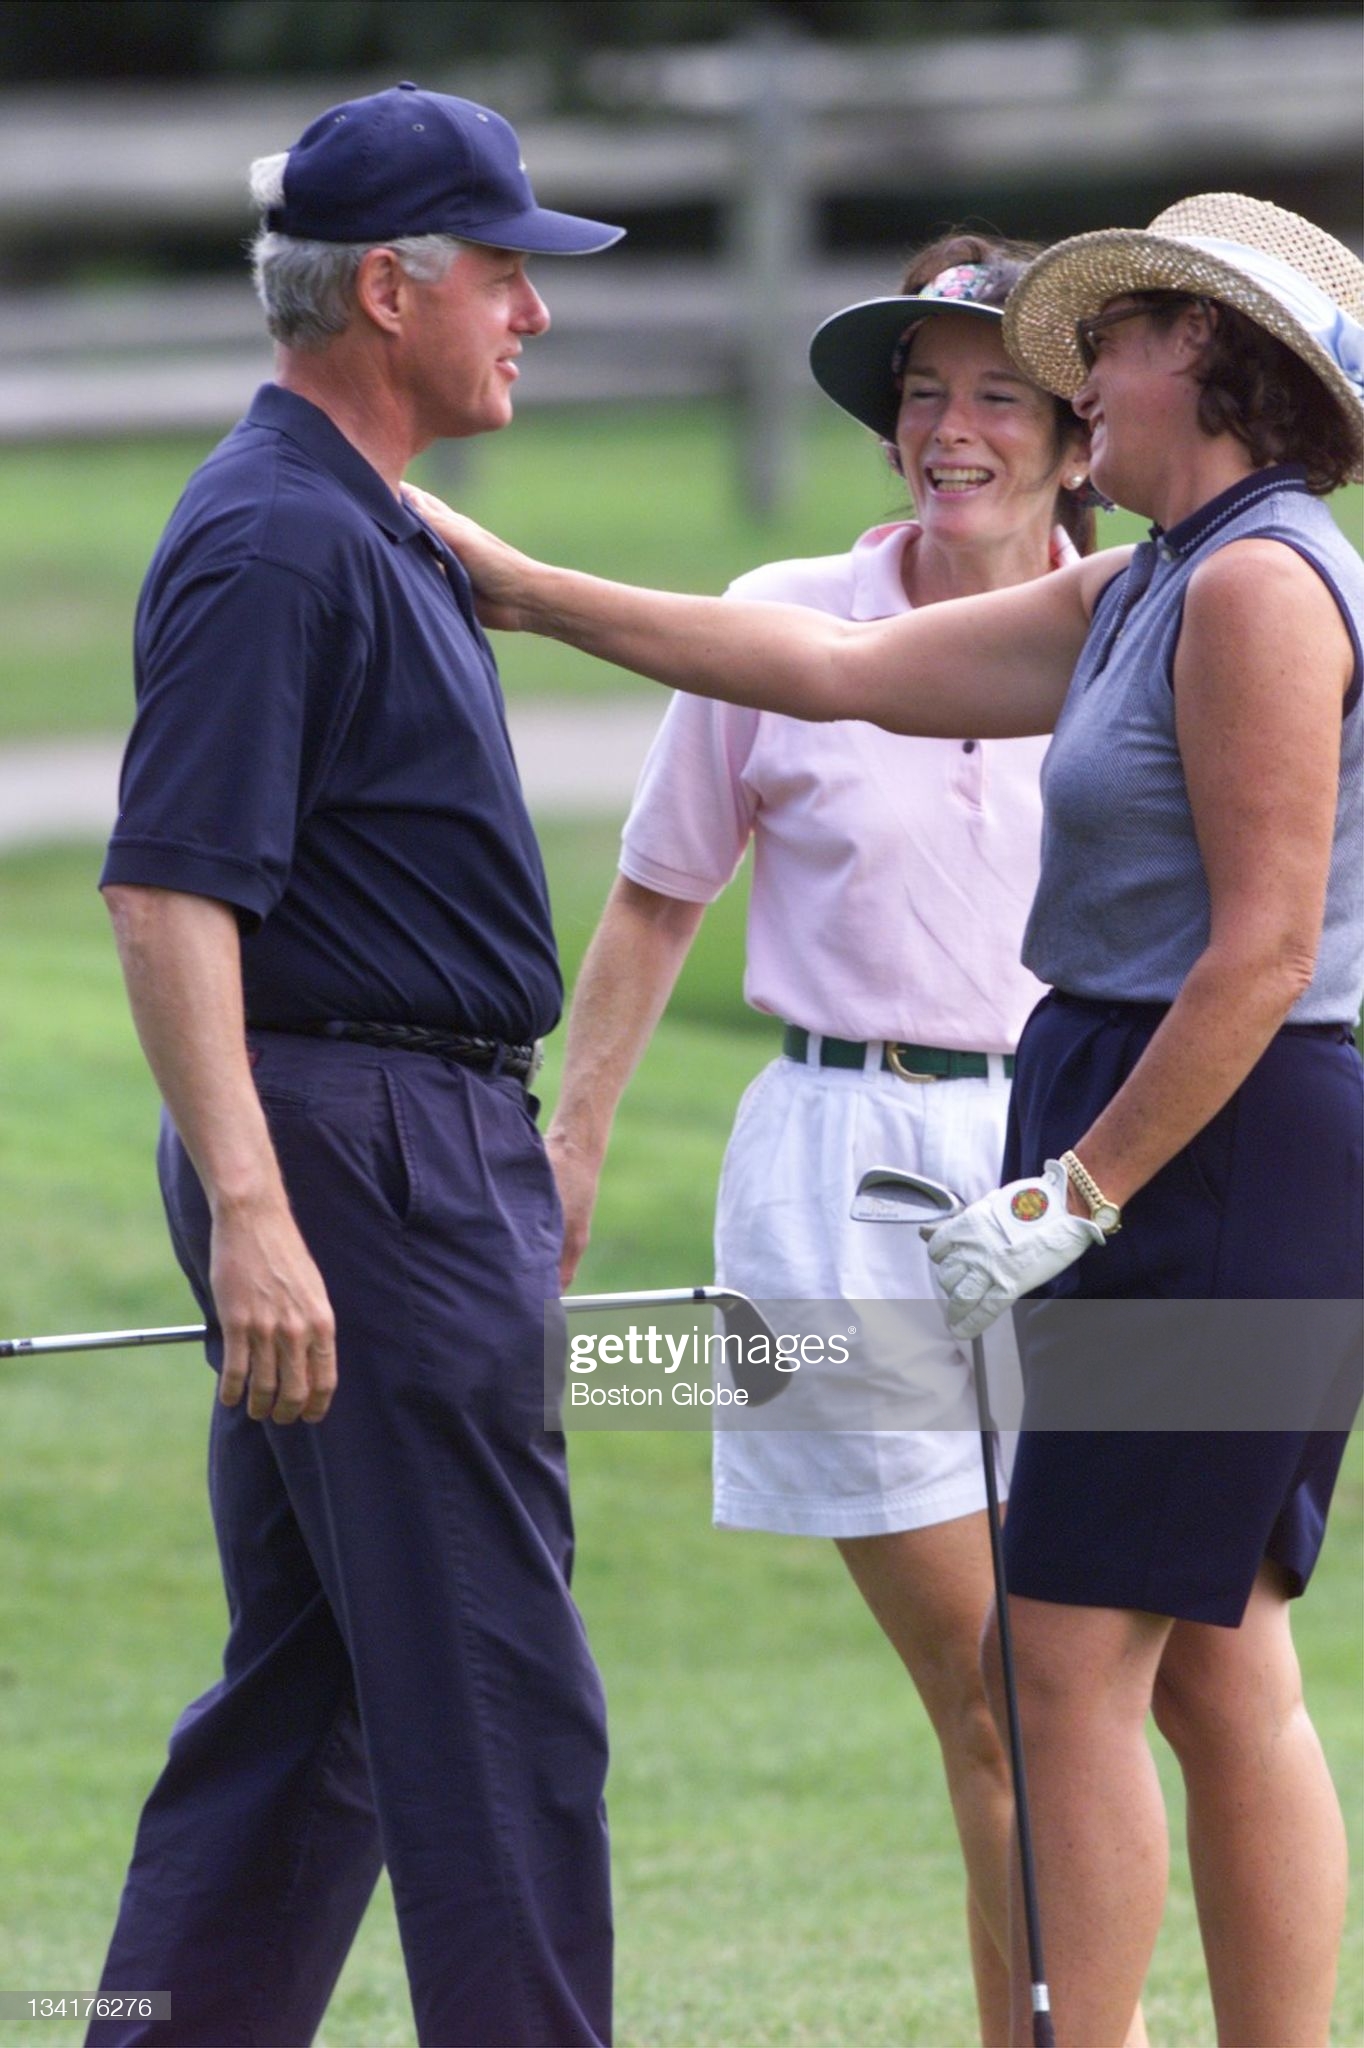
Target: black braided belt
487, 1055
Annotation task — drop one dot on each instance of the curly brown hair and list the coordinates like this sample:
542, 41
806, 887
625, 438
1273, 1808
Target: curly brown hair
1006, 261
1254, 387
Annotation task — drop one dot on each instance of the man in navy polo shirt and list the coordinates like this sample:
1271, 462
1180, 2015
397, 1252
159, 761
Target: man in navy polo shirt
334, 927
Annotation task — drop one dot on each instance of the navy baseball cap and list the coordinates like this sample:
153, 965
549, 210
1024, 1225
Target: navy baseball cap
407, 162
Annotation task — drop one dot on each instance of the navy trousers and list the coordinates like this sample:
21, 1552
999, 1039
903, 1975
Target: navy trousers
406, 1679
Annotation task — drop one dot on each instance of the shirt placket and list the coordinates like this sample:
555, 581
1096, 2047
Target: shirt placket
967, 778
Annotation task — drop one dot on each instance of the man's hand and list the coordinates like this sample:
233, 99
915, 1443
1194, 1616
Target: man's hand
279, 1335
182, 962
1006, 1244
626, 977
576, 1175
498, 573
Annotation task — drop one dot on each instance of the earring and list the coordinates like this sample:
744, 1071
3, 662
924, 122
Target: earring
1076, 483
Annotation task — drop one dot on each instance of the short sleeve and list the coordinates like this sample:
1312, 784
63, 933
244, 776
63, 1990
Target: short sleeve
246, 677
693, 812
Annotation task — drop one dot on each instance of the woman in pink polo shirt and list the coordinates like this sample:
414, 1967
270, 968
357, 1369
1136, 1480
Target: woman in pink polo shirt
891, 881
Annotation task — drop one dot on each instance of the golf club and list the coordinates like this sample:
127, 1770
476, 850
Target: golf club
742, 1319
759, 1379
887, 1194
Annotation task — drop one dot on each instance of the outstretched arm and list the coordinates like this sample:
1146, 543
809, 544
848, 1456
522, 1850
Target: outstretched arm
627, 976
995, 666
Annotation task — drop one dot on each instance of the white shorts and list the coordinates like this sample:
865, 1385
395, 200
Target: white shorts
783, 1232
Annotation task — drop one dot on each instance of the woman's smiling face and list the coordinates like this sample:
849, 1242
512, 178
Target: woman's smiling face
1140, 394
978, 443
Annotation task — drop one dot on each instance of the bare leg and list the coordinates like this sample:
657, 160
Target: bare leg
1085, 1677
990, 1970
1266, 1838
930, 1590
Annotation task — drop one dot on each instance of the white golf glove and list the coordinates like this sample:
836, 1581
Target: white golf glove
1005, 1245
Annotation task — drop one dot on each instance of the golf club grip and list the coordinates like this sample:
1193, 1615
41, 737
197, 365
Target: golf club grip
1043, 2032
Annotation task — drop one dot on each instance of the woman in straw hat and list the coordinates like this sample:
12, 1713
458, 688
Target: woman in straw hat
1187, 1107
892, 878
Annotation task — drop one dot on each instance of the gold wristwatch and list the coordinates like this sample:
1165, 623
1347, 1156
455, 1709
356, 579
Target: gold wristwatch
1106, 1214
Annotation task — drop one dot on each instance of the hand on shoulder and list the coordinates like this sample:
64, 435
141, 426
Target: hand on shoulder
500, 576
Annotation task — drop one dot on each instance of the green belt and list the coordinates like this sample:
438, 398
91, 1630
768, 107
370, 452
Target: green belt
910, 1062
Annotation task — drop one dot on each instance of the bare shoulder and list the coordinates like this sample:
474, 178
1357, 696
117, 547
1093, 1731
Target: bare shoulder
1259, 574
1261, 623
1261, 594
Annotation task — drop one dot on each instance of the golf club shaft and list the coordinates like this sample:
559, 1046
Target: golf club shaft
887, 1194
651, 1297
1043, 2032
190, 1333
100, 1340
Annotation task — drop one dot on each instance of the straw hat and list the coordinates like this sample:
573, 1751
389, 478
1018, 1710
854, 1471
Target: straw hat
1281, 272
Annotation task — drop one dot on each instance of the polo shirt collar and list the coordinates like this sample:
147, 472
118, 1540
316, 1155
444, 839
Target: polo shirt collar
286, 413
877, 567
1188, 534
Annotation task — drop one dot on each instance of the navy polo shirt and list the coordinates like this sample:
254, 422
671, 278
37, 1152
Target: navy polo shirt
320, 742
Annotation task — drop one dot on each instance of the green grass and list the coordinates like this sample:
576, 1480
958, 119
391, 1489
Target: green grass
646, 495
643, 494
785, 1867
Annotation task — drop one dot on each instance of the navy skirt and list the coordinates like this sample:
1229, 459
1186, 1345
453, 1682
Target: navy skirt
1266, 1206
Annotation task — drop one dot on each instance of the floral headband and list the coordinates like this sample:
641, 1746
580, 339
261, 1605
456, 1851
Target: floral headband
964, 284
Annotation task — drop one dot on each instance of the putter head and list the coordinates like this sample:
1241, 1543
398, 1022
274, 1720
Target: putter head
887, 1194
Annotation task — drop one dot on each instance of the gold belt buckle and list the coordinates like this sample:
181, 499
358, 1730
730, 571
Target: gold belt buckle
901, 1071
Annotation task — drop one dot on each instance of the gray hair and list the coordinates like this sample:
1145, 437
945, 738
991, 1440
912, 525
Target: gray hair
308, 288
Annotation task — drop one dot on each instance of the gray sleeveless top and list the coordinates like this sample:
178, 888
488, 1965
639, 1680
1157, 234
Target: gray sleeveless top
1122, 910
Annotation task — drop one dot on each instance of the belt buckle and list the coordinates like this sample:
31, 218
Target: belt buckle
901, 1071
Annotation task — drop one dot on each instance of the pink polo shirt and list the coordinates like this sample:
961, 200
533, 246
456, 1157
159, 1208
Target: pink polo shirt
891, 876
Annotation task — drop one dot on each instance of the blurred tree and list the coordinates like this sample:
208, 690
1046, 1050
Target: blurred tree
92, 40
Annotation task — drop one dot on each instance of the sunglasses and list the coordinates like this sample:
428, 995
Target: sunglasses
1087, 332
